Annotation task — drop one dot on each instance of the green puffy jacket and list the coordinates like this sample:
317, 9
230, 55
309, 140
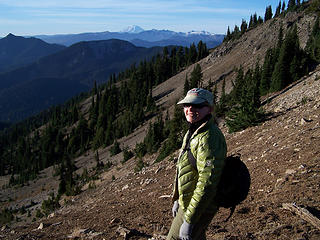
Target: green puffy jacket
196, 189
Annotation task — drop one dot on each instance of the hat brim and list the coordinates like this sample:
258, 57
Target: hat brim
192, 100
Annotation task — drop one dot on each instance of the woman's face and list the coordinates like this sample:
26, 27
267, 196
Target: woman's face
196, 112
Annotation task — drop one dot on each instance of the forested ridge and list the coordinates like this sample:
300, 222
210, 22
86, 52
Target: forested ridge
57, 136
117, 108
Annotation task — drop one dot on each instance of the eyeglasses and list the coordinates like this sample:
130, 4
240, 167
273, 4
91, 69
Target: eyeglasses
198, 106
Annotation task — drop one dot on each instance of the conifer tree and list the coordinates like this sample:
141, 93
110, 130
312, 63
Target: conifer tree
93, 115
236, 32
151, 104
138, 114
255, 19
84, 133
238, 85
223, 101
109, 134
127, 154
215, 94
192, 54
166, 66
94, 90
283, 6
98, 139
228, 35
280, 37
75, 114
244, 26
154, 136
67, 183
268, 13
280, 76
313, 44
59, 148
246, 112
278, 10
294, 68
251, 22
103, 115
196, 76
290, 50
267, 70
115, 149
186, 86
202, 50
291, 5
179, 59
186, 56
174, 129
172, 60
257, 76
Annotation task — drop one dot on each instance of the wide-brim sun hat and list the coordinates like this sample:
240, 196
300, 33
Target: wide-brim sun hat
197, 96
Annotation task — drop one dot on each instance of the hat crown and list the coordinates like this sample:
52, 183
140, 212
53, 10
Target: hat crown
198, 96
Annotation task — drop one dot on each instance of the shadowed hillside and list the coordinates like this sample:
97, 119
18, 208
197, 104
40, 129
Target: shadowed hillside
19, 51
79, 66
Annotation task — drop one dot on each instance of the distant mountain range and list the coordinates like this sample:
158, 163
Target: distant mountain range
36, 74
19, 51
57, 77
139, 37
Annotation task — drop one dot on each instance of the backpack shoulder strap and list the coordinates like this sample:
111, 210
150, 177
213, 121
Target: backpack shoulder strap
191, 158
193, 162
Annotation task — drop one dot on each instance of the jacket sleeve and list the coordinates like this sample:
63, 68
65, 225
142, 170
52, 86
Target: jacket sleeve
175, 193
210, 153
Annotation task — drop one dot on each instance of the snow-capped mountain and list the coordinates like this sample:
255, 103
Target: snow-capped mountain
199, 32
133, 29
140, 37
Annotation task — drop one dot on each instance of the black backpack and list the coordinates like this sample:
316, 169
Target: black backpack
234, 183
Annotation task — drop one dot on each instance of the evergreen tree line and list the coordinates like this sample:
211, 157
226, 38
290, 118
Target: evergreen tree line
195, 80
25, 149
163, 136
167, 136
293, 5
283, 64
242, 107
116, 109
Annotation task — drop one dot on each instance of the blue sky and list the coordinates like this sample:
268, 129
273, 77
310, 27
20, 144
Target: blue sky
34, 17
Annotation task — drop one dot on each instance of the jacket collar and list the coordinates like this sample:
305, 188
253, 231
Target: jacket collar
196, 128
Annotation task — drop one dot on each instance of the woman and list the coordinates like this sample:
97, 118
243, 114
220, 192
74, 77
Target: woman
195, 189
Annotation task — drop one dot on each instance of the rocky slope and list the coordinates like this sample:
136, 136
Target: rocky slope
282, 155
